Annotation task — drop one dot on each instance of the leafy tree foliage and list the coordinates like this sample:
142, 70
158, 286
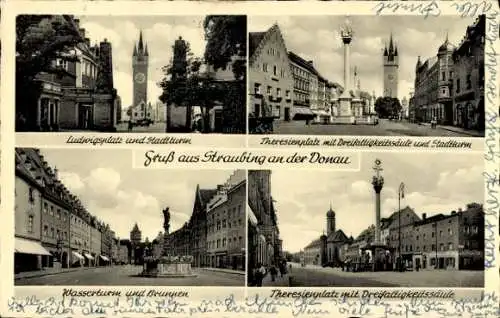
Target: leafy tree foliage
226, 37
387, 107
40, 40
185, 84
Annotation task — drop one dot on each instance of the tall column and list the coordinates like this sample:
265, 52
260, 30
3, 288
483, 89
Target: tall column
378, 184
347, 62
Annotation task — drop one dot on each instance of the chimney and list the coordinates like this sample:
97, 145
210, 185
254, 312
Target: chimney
82, 32
424, 216
453, 212
77, 22
56, 174
220, 187
310, 62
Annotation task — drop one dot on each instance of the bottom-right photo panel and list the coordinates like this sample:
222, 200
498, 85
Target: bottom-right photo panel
402, 220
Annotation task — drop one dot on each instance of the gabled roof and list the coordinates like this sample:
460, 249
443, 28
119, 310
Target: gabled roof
337, 236
254, 39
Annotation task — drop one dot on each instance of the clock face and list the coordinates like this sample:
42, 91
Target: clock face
390, 77
140, 78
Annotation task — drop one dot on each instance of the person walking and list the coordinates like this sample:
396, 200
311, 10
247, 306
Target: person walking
260, 271
273, 272
130, 125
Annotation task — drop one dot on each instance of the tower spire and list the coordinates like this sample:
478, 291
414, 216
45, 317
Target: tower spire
141, 44
391, 45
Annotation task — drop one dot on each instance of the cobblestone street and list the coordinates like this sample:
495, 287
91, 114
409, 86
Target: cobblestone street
127, 275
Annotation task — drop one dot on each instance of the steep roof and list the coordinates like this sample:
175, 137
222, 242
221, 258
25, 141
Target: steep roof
254, 39
337, 236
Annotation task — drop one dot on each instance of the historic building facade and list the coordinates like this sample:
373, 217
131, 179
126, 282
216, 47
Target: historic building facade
53, 228
327, 250
432, 98
264, 242
226, 224
271, 79
80, 96
304, 78
391, 69
467, 81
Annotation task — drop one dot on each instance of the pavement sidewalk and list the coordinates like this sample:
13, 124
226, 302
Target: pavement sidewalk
48, 271
459, 130
224, 270
279, 282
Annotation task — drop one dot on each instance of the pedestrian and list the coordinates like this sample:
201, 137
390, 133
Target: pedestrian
273, 272
260, 271
130, 125
281, 269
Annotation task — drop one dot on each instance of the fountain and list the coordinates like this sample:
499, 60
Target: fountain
167, 265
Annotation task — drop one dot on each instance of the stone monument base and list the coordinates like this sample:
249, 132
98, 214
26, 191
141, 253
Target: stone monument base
166, 268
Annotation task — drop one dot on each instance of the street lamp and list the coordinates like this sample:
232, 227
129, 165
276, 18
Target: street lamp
401, 194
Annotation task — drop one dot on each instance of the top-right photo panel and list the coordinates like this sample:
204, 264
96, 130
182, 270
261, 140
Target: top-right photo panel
366, 75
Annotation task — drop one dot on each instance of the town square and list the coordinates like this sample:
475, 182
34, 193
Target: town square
100, 222
384, 226
367, 75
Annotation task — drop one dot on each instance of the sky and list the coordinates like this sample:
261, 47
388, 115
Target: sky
117, 194
317, 38
158, 32
434, 183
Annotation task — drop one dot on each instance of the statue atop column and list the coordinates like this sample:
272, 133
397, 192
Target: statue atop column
166, 219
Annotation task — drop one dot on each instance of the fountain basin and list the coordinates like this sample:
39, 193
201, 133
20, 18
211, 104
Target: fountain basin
168, 267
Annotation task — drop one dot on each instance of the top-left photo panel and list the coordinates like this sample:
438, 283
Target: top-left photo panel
132, 74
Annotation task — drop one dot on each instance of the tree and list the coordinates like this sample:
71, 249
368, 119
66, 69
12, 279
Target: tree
40, 40
387, 107
226, 37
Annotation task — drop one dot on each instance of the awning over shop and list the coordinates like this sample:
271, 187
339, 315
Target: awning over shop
302, 112
88, 256
320, 113
78, 255
29, 247
104, 258
251, 216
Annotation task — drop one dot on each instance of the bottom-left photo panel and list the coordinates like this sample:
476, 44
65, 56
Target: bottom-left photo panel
86, 217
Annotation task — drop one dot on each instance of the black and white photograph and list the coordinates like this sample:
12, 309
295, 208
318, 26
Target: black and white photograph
87, 218
156, 74
395, 223
366, 75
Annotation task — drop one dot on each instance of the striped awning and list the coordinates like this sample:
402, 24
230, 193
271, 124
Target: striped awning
303, 111
78, 255
87, 255
29, 247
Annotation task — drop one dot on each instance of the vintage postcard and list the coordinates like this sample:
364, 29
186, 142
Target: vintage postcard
212, 158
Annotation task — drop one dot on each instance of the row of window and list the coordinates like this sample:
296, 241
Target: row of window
225, 242
269, 91
232, 212
281, 73
468, 229
54, 233
218, 225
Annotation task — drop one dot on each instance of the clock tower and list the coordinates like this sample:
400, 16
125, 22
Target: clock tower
140, 60
391, 68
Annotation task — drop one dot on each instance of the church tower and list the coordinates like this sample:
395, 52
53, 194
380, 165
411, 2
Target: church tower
391, 68
330, 221
140, 63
